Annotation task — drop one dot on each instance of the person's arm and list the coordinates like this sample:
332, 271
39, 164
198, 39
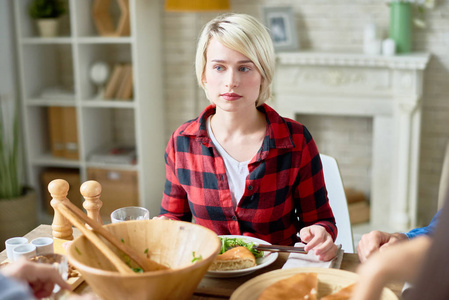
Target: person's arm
376, 240
319, 231
174, 201
428, 230
379, 240
399, 262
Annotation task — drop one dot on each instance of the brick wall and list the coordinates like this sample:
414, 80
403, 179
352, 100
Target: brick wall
329, 25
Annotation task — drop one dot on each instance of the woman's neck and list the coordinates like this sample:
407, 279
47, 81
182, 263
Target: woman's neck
240, 123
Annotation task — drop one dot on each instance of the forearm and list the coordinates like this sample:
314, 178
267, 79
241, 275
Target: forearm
399, 262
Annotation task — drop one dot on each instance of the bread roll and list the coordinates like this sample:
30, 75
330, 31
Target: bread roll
302, 286
234, 259
343, 294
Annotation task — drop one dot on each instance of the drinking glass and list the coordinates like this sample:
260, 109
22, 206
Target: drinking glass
130, 213
58, 261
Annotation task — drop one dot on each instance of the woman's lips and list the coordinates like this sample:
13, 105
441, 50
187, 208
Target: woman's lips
231, 96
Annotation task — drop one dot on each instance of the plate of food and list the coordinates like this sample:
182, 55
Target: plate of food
308, 283
238, 258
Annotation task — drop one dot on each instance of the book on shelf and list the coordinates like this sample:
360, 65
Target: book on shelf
63, 132
113, 82
55, 130
125, 89
70, 133
120, 83
114, 155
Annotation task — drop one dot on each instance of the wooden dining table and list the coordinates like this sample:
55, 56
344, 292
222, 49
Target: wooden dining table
216, 288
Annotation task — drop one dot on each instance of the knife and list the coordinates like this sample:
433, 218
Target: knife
278, 248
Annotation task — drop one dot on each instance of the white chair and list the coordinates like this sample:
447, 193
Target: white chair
443, 191
338, 203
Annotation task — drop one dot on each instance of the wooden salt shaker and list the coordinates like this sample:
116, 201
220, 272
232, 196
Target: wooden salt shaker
91, 191
61, 227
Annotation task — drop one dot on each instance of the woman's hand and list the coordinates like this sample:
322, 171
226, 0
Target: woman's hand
401, 261
377, 240
161, 218
40, 277
317, 238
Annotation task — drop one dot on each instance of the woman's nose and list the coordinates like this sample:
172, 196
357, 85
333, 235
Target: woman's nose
232, 79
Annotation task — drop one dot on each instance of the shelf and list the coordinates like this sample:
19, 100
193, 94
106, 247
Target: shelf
108, 103
104, 40
48, 102
56, 88
48, 160
45, 41
112, 166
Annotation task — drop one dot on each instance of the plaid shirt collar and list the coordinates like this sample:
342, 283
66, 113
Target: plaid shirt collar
280, 138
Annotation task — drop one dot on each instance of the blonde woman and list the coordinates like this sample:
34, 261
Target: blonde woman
240, 168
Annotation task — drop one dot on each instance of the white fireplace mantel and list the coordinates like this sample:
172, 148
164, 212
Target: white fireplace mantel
389, 90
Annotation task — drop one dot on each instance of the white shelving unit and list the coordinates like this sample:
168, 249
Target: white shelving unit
64, 61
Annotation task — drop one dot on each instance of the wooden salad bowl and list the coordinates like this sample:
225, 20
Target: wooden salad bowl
174, 244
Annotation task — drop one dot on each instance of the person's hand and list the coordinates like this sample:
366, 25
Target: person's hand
40, 277
377, 240
318, 239
161, 218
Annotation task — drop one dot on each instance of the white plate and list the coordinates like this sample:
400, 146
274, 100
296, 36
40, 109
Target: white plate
267, 259
329, 281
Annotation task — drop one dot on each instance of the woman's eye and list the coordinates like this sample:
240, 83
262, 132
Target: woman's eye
244, 69
219, 68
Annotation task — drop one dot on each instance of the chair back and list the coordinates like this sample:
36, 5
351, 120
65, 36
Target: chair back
443, 192
337, 200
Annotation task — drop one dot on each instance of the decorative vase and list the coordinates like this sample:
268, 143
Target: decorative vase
401, 26
47, 27
18, 216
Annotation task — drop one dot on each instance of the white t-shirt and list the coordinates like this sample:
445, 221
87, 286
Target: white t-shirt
235, 171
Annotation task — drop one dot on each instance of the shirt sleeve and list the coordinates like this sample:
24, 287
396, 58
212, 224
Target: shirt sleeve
174, 200
428, 230
313, 207
11, 289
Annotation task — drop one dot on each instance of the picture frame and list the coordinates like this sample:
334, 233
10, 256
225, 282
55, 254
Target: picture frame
281, 25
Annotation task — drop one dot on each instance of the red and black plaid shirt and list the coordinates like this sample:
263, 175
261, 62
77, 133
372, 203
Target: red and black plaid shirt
284, 190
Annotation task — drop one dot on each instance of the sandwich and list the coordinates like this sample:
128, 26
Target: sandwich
301, 286
236, 258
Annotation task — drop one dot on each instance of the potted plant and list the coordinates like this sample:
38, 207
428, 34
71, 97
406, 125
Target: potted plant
17, 202
46, 13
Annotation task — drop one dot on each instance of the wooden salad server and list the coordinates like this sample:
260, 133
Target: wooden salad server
79, 219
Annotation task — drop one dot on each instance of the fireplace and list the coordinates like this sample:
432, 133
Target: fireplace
387, 91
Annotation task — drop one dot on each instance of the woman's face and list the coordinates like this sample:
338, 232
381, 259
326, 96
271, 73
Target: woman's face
232, 80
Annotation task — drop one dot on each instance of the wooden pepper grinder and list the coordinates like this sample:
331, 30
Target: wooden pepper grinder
61, 227
91, 191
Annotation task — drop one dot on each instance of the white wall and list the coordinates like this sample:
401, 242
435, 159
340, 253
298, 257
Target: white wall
327, 25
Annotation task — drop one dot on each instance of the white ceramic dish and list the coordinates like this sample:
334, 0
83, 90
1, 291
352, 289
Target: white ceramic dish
329, 281
267, 259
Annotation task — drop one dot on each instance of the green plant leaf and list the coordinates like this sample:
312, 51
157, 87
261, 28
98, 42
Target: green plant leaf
10, 178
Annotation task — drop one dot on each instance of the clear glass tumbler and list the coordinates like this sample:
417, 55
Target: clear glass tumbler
130, 213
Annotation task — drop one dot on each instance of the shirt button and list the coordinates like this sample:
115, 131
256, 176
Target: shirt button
250, 187
234, 218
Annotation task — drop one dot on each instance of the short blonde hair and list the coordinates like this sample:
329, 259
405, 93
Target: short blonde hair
245, 34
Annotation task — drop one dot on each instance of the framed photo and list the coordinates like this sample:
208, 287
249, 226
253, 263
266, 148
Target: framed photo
282, 27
